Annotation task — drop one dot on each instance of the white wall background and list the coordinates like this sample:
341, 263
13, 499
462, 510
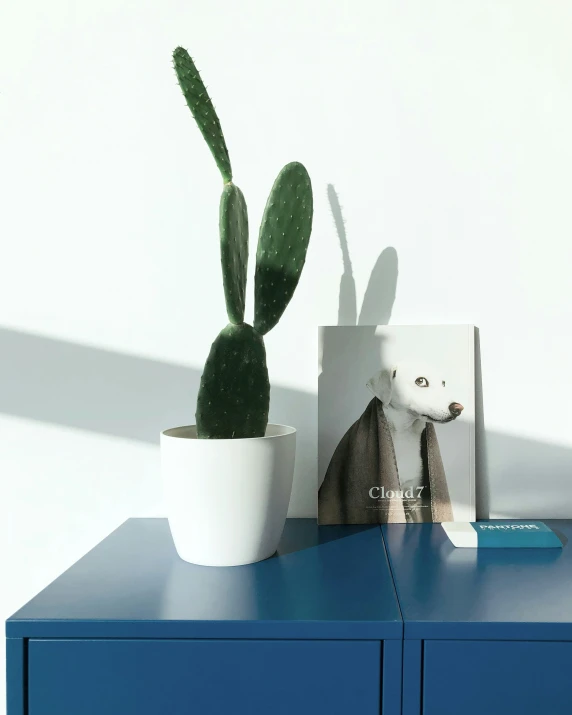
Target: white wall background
445, 130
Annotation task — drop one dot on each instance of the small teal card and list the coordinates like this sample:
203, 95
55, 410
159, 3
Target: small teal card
501, 534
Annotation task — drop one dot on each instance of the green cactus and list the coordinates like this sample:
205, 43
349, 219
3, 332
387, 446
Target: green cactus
202, 109
233, 225
282, 245
234, 395
235, 392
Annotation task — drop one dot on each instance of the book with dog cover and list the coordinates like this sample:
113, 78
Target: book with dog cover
396, 408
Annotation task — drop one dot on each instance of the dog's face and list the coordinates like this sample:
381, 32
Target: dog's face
418, 390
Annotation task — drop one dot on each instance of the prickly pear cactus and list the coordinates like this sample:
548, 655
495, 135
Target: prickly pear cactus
234, 394
235, 391
282, 244
233, 225
202, 109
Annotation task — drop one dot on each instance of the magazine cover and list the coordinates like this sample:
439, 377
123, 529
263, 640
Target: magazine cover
396, 424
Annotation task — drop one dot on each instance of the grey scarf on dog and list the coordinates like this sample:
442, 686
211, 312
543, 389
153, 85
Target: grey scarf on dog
365, 458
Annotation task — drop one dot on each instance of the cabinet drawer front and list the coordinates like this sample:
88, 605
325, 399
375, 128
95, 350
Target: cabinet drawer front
497, 677
185, 677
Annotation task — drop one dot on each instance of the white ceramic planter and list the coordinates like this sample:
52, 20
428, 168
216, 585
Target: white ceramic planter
227, 499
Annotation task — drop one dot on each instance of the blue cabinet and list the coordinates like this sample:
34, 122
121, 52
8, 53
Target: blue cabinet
485, 631
131, 629
343, 619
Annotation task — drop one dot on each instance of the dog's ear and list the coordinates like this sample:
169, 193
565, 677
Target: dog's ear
381, 384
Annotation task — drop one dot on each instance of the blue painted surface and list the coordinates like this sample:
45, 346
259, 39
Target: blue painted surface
412, 668
16, 676
476, 677
152, 677
498, 594
391, 677
315, 629
326, 582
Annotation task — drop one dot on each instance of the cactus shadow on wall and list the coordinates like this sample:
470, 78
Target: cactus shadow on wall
376, 309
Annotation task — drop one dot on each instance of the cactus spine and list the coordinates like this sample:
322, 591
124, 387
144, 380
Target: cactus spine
234, 394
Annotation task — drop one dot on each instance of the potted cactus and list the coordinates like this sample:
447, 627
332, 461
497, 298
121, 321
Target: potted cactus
228, 479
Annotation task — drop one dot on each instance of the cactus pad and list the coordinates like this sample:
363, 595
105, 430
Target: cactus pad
235, 392
202, 109
282, 244
233, 223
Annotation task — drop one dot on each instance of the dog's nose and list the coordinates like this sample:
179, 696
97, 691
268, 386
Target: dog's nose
455, 409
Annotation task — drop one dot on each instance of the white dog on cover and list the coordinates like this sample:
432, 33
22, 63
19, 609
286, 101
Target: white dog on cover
412, 395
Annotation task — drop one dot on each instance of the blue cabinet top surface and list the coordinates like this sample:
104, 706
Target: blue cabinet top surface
447, 592
325, 582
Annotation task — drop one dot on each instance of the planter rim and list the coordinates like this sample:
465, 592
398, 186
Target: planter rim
190, 432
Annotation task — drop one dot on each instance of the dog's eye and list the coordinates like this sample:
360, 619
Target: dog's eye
443, 383
422, 382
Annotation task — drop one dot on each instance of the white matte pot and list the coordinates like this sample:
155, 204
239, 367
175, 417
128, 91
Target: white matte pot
227, 499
